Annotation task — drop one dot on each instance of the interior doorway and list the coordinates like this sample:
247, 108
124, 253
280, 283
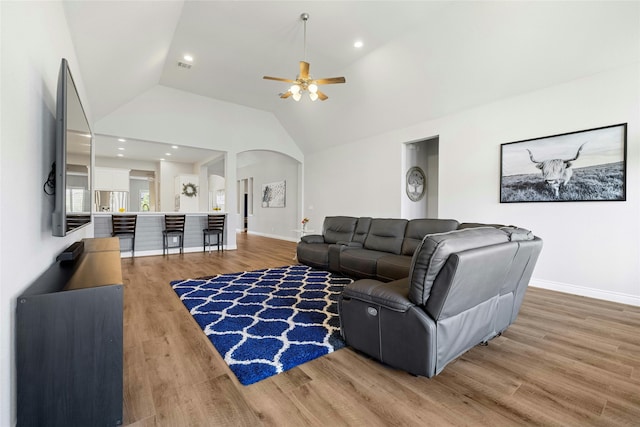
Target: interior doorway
245, 211
420, 183
245, 202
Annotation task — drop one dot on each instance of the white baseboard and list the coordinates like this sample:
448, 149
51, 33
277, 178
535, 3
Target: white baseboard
586, 292
273, 236
172, 251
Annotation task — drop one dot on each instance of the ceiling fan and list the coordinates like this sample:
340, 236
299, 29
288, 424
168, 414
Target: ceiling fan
304, 82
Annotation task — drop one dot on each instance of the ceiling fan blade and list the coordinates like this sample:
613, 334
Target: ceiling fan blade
285, 95
330, 80
322, 96
304, 70
280, 79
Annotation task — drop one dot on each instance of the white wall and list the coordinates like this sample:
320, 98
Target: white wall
34, 38
433, 173
274, 222
172, 116
359, 179
591, 248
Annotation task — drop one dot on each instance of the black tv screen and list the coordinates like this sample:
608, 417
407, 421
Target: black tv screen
73, 158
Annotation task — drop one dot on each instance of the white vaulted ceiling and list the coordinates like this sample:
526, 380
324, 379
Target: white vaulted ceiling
420, 60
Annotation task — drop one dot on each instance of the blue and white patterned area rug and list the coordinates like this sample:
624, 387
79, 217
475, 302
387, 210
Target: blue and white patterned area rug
268, 321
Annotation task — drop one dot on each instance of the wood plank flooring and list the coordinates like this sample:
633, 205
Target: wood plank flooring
566, 361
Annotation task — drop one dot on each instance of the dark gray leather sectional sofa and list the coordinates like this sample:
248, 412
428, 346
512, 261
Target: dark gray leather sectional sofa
463, 284
368, 248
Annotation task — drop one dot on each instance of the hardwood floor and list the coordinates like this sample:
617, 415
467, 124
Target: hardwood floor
567, 360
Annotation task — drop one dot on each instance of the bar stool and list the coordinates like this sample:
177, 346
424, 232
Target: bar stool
215, 226
124, 226
173, 226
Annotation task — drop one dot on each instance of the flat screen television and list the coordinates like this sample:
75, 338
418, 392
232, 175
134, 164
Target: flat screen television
73, 159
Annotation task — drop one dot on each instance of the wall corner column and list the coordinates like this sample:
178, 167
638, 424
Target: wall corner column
231, 197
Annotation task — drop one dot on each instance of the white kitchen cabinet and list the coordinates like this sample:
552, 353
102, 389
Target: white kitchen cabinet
111, 179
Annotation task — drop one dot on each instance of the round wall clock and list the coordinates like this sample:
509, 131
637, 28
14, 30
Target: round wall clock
416, 184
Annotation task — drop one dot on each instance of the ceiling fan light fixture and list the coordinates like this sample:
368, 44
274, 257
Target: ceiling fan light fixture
304, 83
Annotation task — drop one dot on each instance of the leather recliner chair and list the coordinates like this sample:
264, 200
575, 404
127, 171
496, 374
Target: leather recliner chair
313, 250
464, 288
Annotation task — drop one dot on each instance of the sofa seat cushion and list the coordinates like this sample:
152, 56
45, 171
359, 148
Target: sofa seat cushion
360, 263
314, 254
393, 267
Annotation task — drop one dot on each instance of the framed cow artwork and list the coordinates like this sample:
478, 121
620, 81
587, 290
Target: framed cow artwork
588, 165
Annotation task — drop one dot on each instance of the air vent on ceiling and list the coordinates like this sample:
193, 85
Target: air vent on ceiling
184, 65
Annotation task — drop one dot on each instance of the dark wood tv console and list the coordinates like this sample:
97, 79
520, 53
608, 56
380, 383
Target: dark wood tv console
69, 341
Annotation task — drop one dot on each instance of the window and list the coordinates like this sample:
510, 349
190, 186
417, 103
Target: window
143, 197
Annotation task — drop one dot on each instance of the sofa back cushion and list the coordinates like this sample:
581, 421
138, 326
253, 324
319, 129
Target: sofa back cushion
469, 278
362, 229
386, 235
338, 228
464, 225
418, 228
434, 250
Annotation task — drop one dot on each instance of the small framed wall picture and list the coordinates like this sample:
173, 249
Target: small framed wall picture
274, 195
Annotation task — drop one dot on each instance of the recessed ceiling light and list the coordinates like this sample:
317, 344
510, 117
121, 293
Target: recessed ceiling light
358, 44
162, 160
167, 154
120, 155
175, 147
188, 58
121, 148
122, 140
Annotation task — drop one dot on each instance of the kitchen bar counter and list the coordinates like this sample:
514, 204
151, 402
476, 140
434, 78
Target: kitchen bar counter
149, 228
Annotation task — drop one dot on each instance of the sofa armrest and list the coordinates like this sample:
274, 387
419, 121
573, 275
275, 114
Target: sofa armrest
312, 238
393, 295
517, 234
354, 245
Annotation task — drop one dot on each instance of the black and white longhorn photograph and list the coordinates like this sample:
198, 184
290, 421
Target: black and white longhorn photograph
588, 165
